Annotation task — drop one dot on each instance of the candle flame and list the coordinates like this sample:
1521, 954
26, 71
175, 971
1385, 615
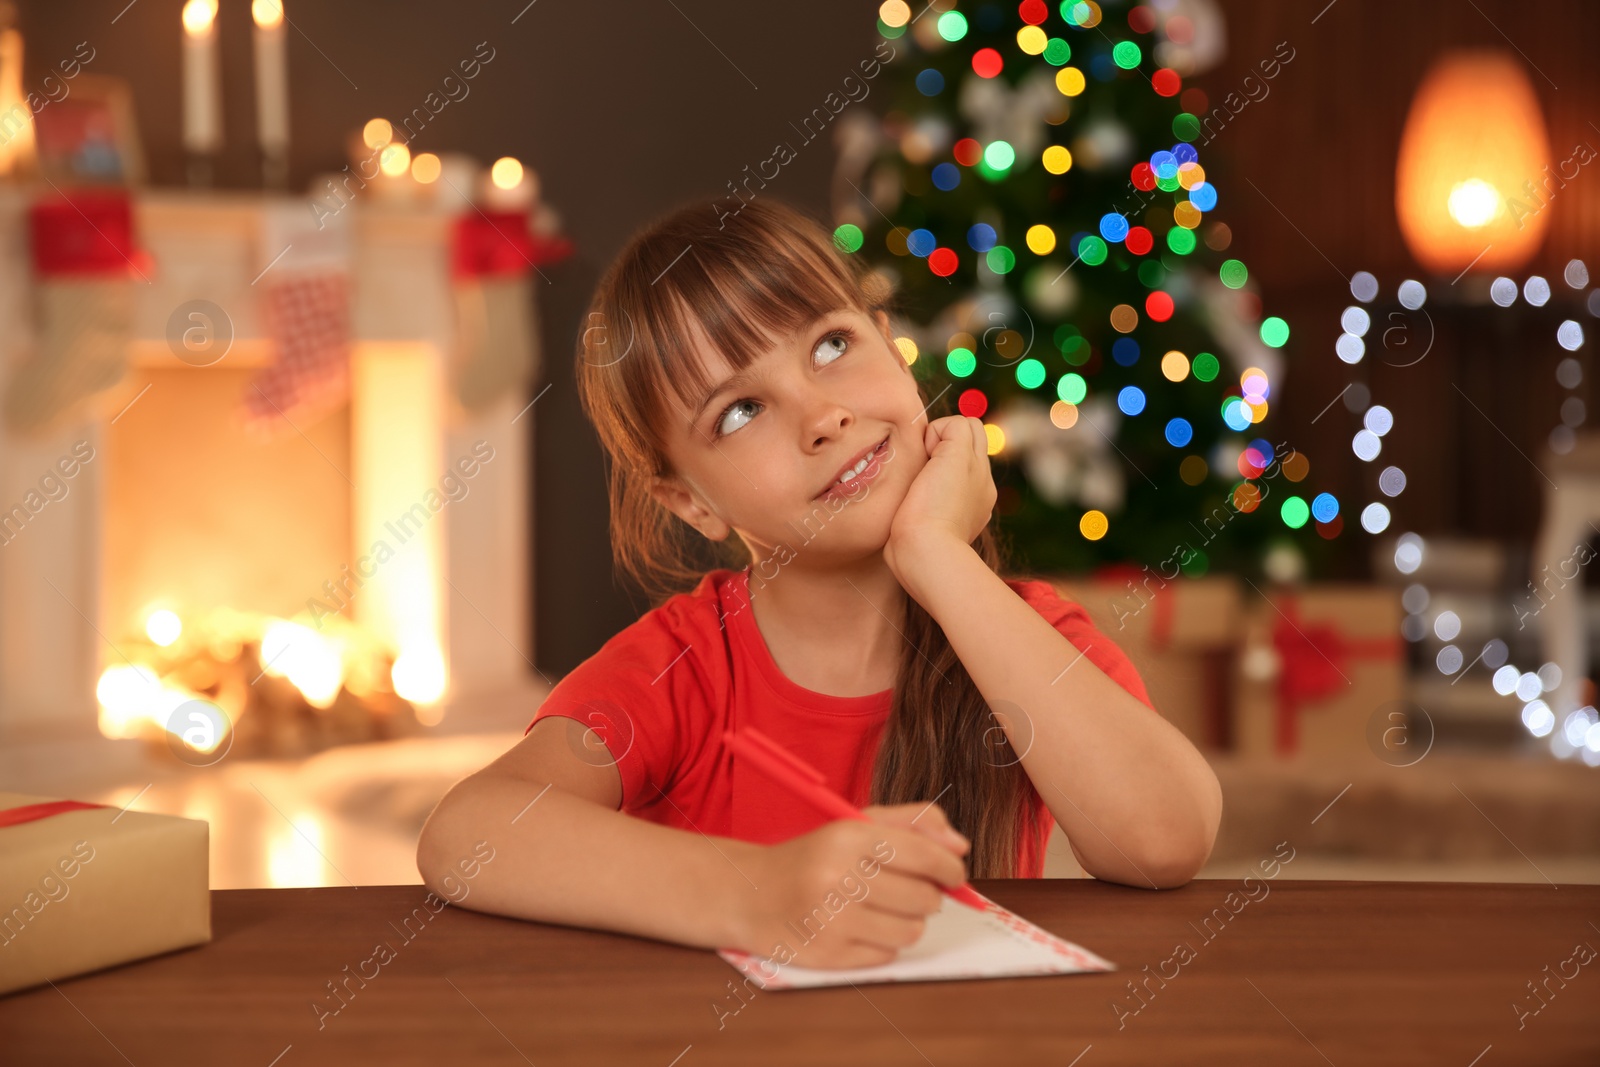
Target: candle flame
198, 15
267, 13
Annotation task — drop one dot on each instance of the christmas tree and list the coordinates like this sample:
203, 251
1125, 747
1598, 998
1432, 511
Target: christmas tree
1037, 189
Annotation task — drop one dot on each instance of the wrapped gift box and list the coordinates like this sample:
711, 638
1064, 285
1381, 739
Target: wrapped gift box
1320, 661
1183, 636
85, 886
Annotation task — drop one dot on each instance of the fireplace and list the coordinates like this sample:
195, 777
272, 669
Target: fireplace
360, 576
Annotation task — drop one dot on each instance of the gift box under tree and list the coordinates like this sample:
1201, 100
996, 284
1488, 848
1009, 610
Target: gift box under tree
1182, 635
1323, 668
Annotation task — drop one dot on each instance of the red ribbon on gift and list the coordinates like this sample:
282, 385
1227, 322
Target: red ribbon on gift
1166, 606
33, 812
1312, 657
86, 232
499, 244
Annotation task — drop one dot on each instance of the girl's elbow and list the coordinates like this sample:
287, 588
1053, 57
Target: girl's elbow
446, 858
1176, 869
1147, 873
1186, 846
438, 841
1178, 857
429, 853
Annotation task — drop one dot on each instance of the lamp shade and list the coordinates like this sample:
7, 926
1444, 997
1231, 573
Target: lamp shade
1471, 173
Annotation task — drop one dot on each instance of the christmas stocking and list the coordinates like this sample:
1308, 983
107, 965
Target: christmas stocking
497, 349
307, 318
306, 312
82, 348
83, 260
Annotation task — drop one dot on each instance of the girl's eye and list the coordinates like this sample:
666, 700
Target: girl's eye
736, 408
828, 349
834, 345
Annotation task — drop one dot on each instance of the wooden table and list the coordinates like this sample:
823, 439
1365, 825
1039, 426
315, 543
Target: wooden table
1311, 973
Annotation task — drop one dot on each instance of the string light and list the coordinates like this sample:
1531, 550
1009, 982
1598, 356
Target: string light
1413, 294
394, 160
894, 13
1072, 388
996, 437
377, 133
952, 26
1145, 246
506, 173
426, 168
1568, 736
1070, 81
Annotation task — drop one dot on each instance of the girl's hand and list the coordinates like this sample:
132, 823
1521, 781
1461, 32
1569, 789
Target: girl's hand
953, 495
860, 891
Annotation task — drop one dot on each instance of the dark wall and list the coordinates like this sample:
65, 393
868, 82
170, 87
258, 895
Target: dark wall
625, 110
1309, 174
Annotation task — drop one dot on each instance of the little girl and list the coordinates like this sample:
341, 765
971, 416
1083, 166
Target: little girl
744, 381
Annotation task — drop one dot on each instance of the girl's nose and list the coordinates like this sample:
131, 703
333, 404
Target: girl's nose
831, 421
827, 415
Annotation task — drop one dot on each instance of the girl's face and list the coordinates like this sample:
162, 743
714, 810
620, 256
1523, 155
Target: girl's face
759, 454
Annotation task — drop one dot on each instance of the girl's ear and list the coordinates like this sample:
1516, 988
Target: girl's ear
673, 495
881, 317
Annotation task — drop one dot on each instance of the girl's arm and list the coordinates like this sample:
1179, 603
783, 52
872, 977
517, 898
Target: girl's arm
563, 853
1138, 802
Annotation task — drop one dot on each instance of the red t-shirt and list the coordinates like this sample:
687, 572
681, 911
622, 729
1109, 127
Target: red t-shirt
662, 691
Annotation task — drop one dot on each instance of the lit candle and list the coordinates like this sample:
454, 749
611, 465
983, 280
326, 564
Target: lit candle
202, 104
272, 86
16, 139
510, 186
425, 171
394, 180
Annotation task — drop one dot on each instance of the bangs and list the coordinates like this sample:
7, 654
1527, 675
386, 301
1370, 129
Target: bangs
746, 291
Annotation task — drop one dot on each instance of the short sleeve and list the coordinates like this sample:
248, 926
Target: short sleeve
644, 697
1072, 621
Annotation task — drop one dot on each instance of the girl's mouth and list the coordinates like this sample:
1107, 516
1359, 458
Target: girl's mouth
864, 471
